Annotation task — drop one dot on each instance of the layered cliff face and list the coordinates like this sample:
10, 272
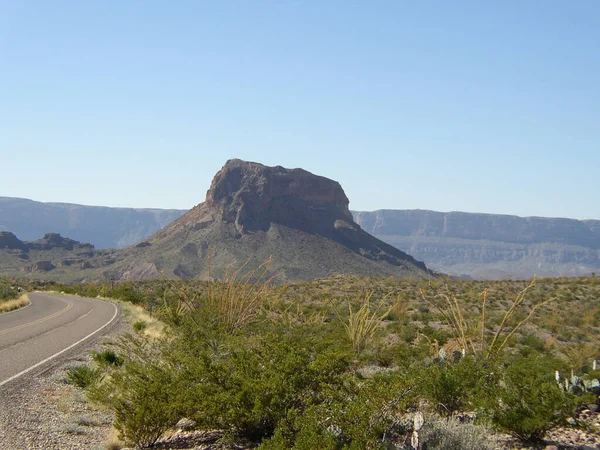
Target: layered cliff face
490, 245
253, 196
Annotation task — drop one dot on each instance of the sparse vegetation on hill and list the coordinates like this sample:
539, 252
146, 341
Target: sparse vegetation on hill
293, 376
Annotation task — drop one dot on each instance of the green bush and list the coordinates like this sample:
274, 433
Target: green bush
524, 399
107, 358
7, 290
451, 387
366, 416
250, 389
532, 344
140, 326
82, 376
141, 393
284, 374
128, 292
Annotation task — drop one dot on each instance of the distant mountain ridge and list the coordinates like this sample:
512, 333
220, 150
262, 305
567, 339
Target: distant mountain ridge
490, 245
104, 227
458, 243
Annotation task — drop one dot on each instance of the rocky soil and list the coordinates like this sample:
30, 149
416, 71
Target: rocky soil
43, 411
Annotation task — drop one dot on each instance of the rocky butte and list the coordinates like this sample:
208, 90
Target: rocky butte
298, 219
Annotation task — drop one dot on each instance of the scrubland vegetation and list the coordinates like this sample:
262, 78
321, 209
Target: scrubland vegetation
349, 362
11, 297
8, 290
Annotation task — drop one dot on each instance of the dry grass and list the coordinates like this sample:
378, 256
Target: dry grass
11, 305
238, 299
362, 323
113, 442
471, 335
134, 313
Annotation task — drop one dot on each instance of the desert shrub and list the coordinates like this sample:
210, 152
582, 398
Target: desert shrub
367, 416
244, 383
140, 326
281, 368
451, 387
409, 333
127, 291
8, 290
82, 376
532, 344
524, 398
140, 393
452, 434
107, 358
250, 388
388, 355
470, 331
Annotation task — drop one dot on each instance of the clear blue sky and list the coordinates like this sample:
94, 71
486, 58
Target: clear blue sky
474, 106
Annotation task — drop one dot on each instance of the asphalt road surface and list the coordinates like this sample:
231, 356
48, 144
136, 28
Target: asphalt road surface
51, 325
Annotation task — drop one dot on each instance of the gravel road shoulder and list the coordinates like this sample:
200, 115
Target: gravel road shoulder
42, 411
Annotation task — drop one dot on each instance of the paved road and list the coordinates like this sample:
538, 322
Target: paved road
34, 336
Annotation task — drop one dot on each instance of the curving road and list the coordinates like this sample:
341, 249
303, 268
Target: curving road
51, 325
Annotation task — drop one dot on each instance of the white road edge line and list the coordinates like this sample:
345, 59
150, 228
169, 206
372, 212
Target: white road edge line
35, 366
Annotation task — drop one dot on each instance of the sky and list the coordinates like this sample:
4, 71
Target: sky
451, 106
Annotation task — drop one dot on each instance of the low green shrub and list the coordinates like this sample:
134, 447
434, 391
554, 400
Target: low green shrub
286, 376
366, 416
107, 358
141, 393
451, 387
524, 399
250, 389
7, 290
140, 326
82, 376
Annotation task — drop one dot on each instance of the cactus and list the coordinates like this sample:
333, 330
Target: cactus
442, 354
577, 385
592, 386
